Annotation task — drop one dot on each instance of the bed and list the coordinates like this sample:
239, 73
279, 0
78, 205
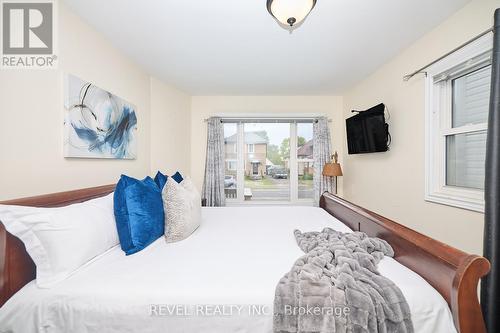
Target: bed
223, 277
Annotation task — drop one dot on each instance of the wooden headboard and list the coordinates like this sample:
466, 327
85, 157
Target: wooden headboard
455, 274
16, 266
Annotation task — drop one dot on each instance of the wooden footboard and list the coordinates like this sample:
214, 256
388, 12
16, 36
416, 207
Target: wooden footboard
453, 273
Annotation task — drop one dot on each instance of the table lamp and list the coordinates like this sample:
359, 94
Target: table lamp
333, 169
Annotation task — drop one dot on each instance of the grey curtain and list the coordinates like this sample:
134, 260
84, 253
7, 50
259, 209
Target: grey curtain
490, 285
213, 186
321, 152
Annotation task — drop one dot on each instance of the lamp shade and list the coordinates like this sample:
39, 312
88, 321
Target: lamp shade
290, 12
332, 170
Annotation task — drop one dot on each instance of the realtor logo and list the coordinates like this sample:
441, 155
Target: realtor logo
28, 35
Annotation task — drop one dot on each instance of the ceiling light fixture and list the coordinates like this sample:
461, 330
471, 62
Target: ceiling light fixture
290, 14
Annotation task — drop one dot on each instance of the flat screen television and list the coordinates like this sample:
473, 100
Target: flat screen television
367, 132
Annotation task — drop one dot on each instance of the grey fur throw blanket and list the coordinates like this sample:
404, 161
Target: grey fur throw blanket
336, 287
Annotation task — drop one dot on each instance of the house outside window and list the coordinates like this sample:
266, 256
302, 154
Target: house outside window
457, 106
272, 164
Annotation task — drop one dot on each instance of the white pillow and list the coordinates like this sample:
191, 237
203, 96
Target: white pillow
60, 240
182, 205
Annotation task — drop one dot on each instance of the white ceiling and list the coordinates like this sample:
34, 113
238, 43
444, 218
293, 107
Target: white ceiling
234, 47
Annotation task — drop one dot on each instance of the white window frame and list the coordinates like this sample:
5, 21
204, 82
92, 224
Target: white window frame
293, 178
230, 162
251, 151
438, 113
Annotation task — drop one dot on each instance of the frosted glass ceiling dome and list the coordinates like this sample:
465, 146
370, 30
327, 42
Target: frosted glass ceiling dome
290, 13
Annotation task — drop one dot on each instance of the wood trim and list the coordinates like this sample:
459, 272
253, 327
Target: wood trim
62, 198
16, 266
453, 273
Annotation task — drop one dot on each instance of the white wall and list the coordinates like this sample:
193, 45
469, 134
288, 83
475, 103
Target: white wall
170, 129
203, 107
32, 113
392, 183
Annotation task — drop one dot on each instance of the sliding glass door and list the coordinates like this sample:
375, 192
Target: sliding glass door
268, 162
305, 160
231, 160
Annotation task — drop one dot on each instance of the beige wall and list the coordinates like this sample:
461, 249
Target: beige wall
203, 107
32, 113
170, 129
392, 183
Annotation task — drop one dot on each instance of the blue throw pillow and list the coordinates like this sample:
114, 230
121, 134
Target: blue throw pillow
139, 213
160, 180
178, 177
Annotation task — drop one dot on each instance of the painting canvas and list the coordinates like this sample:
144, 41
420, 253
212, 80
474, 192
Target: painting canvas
97, 123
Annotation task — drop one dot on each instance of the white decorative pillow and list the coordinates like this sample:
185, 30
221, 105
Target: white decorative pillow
60, 240
182, 205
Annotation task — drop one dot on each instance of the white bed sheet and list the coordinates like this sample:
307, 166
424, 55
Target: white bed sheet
231, 264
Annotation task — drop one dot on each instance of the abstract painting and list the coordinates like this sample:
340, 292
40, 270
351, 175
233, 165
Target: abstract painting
97, 123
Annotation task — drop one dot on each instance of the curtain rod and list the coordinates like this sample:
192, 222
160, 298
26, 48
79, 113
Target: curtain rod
422, 70
268, 120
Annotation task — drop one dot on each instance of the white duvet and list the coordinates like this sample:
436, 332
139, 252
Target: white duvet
220, 279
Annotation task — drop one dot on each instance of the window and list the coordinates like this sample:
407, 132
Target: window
232, 165
458, 94
272, 162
